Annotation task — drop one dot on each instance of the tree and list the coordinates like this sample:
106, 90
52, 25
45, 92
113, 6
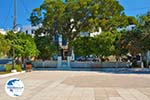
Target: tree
119, 49
145, 27
23, 45
4, 45
74, 16
45, 44
131, 40
83, 46
103, 44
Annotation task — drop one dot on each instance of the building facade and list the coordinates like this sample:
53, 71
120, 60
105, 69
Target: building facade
2, 31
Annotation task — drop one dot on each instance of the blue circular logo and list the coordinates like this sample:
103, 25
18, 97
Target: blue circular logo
14, 87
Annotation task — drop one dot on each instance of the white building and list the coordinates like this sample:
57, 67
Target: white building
28, 29
128, 28
88, 34
2, 31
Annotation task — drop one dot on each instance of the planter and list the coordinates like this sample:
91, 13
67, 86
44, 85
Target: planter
28, 67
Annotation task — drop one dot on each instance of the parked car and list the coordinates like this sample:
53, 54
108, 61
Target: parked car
92, 58
81, 58
88, 58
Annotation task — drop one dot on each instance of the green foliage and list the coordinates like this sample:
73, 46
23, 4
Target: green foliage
74, 16
8, 68
137, 40
45, 45
103, 44
145, 28
82, 46
132, 20
18, 68
144, 21
4, 45
100, 45
23, 44
131, 41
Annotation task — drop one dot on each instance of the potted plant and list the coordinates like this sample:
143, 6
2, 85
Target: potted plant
28, 65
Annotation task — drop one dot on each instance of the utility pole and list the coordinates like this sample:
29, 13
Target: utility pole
15, 11
14, 29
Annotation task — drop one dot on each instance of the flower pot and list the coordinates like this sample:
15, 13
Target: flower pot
28, 67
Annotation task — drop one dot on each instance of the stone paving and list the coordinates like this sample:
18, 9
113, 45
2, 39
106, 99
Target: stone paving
80, 85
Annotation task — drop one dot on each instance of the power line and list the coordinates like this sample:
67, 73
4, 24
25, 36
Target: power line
134, 9
25, 7
9, 10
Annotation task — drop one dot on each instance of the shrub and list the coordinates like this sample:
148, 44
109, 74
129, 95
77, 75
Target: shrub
18, 68
8, 67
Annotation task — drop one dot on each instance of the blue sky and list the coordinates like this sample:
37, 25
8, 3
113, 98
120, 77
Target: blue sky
135, 7
24, 8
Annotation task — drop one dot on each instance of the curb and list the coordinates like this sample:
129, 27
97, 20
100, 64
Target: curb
11, 74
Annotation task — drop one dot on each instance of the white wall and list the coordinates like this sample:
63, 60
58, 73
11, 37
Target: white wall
2, 31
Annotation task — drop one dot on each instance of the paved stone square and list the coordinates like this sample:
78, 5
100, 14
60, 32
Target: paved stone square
80, 85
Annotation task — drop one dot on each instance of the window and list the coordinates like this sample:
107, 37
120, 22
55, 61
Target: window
32, 31
26, 31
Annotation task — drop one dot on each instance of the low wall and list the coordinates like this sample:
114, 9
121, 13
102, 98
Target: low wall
98, 64
45, 64
76, 64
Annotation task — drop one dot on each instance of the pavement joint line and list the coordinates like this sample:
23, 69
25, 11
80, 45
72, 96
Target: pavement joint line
54, 84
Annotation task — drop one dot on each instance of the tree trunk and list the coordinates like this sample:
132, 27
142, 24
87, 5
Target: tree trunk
69, 49
69, 45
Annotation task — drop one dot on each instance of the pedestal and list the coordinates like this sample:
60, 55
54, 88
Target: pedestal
59, 62
68, 60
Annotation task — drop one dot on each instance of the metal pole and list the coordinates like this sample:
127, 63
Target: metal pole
14, 27
13, 60
15, 11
